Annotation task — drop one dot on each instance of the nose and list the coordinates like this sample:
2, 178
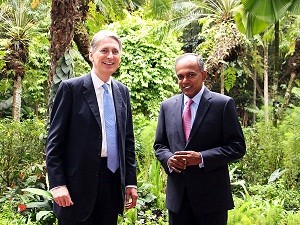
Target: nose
110, 54
185, 79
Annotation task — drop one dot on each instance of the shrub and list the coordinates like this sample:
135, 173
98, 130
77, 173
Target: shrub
270, 148
21, 152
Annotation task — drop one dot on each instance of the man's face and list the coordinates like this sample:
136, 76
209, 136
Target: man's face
190, 78
106, 58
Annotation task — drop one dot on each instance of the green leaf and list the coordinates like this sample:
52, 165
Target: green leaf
295, 7
65, 68
275, 175
248, 23
37, 204
268, 10
38, 191
42, 214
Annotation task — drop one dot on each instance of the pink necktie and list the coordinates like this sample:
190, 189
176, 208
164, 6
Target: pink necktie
187, 119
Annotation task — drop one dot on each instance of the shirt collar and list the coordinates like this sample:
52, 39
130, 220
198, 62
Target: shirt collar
196, 98
97, 82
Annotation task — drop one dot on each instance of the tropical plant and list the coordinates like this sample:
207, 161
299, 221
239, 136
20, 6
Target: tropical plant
262, 14
147, 68
17, 23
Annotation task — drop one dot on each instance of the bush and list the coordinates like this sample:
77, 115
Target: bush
270, 148
277, 191
21, 153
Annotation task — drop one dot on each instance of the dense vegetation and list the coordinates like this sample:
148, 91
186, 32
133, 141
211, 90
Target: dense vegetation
256, 63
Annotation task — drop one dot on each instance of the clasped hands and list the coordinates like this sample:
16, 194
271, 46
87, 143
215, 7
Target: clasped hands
181, 159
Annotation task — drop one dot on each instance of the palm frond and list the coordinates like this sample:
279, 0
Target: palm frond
114, 10
16, 19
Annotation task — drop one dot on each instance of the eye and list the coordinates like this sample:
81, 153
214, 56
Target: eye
104, 51
192, 75
115, 52
180, 77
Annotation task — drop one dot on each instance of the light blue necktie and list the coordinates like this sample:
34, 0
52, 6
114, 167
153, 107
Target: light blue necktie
111, 131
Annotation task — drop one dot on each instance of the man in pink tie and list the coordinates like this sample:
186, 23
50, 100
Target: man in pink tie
198, 134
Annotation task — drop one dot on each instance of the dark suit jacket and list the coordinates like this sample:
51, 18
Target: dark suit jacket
75, 139
217, 134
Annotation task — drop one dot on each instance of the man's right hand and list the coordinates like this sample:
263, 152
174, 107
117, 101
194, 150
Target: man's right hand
61, 196
177, 163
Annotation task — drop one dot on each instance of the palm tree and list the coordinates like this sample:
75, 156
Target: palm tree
228, 42
267, 13
214, 15
17, 23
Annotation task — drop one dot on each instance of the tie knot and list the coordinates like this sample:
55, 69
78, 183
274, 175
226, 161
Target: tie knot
105, 86
190, 101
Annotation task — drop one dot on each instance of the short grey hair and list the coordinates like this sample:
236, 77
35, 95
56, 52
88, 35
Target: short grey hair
101, 35
198, 57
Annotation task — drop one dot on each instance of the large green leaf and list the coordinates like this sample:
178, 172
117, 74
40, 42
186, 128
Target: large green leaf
248, 23
295, 7
41, 214
260, 14
268, 10
38, 191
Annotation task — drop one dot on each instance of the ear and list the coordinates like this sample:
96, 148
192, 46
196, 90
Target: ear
91, 56
204, 75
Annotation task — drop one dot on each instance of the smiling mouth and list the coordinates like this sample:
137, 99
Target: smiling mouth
108, 63
186, 87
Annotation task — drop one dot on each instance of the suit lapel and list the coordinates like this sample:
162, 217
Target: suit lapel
90, 96
177, 115
201, 111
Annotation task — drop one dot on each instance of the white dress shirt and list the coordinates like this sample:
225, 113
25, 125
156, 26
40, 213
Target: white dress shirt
99, 90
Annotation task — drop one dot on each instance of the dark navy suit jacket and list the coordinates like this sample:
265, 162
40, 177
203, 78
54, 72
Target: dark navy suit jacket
217, 134
74, 143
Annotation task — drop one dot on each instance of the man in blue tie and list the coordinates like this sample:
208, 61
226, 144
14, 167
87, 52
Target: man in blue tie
198, 134
90, 153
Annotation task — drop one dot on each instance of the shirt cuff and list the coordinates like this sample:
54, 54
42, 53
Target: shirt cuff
201, 165
52, 189
131, 186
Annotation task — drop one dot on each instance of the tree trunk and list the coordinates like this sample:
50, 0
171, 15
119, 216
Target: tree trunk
63, 15
15, 61
288, 92
61, 31
17, 93
222, 80
266, 83
293, 69
276, 75
276, 61
254, 95
81, 36
258, 88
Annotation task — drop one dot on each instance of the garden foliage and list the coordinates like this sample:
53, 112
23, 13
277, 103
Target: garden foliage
147, 67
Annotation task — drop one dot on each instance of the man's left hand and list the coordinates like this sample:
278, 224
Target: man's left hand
131, 196
191, 157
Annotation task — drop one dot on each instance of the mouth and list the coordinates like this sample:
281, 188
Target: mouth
186, 87
108, 63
